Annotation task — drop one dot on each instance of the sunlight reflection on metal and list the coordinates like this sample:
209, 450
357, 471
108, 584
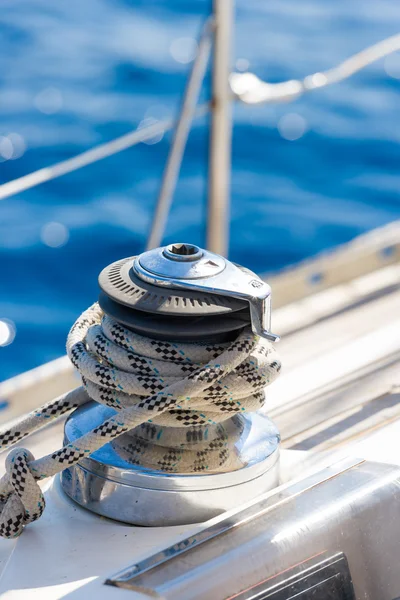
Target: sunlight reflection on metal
250, 89
322, 515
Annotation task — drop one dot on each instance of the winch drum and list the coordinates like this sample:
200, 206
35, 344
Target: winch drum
182, 294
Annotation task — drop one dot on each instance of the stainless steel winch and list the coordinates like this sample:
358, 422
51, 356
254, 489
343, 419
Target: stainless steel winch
179, 293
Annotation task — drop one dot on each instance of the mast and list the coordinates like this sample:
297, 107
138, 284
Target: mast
221, 131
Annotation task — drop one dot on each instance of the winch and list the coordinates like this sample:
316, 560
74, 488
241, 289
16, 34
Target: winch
187, 307
182, 292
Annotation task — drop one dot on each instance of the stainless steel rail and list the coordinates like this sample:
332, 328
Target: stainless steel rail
221, 131
252, 90
349, 509
174, 160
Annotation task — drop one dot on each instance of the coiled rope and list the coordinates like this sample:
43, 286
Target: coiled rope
178, 398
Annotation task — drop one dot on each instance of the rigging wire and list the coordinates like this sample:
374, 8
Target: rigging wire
250, 89
93, 155
246, 87
181, 133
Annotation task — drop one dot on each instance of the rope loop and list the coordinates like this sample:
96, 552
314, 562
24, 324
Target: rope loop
177, 407
22, 501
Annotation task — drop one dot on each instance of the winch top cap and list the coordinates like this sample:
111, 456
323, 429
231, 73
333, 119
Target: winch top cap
189, 267
183, 252
178, 261
183, 279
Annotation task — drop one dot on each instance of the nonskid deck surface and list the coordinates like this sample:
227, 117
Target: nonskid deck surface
336, 397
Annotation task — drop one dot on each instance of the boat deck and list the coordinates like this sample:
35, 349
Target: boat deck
338, 396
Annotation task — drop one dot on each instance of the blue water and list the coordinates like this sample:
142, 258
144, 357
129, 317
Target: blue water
108, 65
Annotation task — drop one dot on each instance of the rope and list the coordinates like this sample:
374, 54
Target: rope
250, 89
182, 401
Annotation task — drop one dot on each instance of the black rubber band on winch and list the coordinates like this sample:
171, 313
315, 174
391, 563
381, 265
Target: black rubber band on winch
169, 314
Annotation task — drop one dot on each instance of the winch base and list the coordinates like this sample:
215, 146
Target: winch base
110, 486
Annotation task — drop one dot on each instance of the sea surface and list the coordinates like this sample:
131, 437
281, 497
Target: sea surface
306, 176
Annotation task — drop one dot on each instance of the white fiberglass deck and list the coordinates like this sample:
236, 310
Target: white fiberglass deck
338, 396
